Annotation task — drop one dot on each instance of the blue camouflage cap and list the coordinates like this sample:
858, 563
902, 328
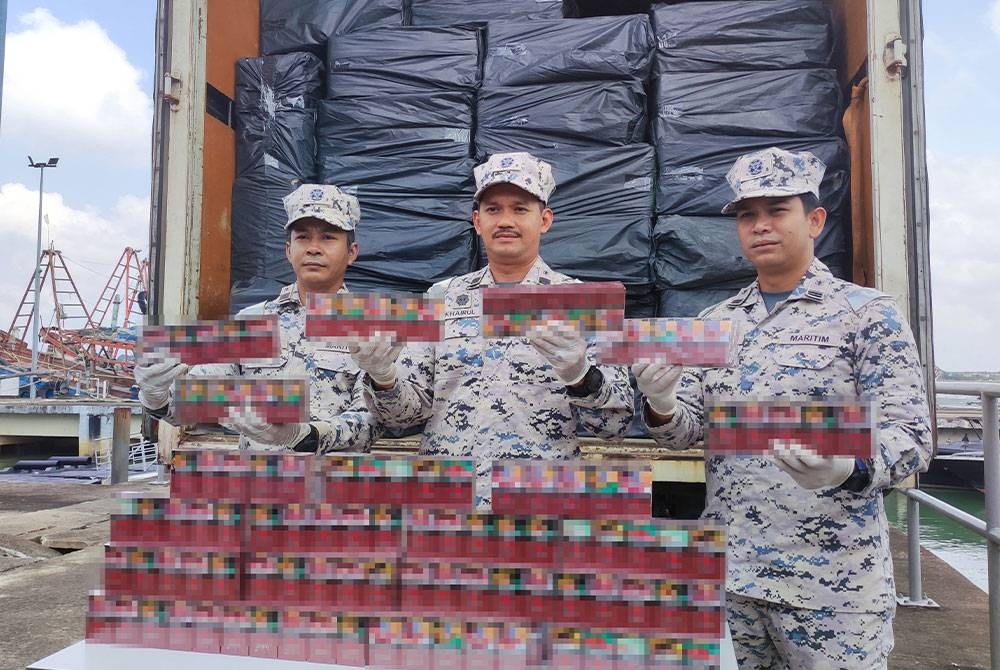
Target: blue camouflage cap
324, 202
518, 168
774, 172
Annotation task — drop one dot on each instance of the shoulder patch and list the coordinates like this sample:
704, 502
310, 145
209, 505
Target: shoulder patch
722, 306
860, 296
440, 288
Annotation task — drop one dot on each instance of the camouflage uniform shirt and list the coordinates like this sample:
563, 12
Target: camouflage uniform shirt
495, 399
828, 548
335, 380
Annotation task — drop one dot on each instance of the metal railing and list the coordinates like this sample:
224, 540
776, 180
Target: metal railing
142, 452
989, 529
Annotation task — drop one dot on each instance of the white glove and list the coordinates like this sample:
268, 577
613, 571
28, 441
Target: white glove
564, 348
809, 470
272, 434
377, 356
154, 382
658, 383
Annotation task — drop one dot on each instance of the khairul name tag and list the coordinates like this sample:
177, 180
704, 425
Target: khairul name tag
464, 305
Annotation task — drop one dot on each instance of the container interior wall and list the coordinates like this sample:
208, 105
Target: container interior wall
233, 32
850, 20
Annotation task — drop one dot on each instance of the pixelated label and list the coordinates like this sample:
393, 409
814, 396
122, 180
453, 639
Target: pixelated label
689, 342
348, 317
201, 342
223, 399
512, 311
827, 427
403, 584
573, 488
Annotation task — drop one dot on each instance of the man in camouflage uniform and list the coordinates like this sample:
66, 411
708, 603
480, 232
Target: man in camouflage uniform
319, 245
809, 581
499, 398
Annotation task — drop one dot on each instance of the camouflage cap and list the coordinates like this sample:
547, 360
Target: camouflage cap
774, 172
518, 168
324, 202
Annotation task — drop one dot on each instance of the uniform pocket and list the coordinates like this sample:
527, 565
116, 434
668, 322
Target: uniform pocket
266, 367
805, 356
335, 362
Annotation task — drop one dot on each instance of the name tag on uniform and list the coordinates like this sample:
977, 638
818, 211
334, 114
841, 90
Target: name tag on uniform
822, 339
464, 313
334, 349
464, 305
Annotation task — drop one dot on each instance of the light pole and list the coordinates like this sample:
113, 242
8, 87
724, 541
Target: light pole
38, 273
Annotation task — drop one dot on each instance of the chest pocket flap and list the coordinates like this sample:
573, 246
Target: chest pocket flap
335, 360
805, 356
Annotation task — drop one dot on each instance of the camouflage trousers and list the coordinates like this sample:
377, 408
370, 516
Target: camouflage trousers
772, 636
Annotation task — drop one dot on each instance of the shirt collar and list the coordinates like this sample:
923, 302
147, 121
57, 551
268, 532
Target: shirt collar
290, 295
540, 273
814, 286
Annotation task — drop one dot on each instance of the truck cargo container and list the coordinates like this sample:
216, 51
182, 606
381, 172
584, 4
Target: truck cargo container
877, 53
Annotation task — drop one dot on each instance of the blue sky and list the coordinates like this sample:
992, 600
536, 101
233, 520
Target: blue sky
962, 102
78, 85
961, 47
87, 174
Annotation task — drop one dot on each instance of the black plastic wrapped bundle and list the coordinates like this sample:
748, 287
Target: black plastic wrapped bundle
396, 130
745, 35
563, 116
681, 303
692, 173
306, 25
603, 214
275, 115
401, 253
640, 301
571, 93
445, 12
433, 125
605, 8
695, 252
521, 53
385, 180
403, 60
415, 219
783, 103
275, 83
259, 267
689, 302
692, 252
275, 153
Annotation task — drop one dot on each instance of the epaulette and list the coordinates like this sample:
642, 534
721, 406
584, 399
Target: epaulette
441, 287
860, 296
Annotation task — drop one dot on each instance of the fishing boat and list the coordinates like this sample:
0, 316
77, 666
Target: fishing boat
957, 465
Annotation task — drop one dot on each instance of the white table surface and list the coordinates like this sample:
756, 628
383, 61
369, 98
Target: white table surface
90, 656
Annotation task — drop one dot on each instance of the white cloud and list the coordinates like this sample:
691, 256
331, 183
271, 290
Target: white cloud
965, 270
90, 242
70, 86
995, 16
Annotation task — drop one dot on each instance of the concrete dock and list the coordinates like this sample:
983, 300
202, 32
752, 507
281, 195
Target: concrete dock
43, 591
86, 420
